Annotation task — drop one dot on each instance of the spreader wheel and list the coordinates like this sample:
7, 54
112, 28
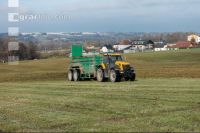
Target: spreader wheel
70, 75
100, 75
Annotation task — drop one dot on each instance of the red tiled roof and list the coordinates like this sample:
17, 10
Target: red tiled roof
183, 44
124, 42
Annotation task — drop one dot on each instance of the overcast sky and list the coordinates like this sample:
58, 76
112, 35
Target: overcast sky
106, 15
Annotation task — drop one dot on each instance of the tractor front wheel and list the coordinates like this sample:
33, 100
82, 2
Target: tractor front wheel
126, 78
115, 76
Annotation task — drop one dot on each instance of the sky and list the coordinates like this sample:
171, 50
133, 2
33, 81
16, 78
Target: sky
105, 15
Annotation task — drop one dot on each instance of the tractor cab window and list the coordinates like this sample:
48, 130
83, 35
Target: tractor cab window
116, 58
108, 59
112, 59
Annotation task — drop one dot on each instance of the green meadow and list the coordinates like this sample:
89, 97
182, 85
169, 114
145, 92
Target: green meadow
35, 96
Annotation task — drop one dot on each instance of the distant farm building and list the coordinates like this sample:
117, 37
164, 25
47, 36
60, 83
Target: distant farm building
183, 45
130, 46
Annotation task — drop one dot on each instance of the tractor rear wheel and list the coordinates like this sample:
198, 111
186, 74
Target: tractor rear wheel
100, 75
76, 75
115, 76
126, 78
133, 77
70, 75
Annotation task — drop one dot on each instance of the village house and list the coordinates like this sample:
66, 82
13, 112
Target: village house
160, 46
182, 45
143, 44
106, 49
123, 44
194, 37
129, 46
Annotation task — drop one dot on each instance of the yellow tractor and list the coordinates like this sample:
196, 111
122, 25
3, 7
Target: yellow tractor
114, 67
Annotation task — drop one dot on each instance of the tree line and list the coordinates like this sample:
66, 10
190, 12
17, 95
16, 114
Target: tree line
26, 51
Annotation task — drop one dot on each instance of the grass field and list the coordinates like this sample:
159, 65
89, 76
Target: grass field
35, 96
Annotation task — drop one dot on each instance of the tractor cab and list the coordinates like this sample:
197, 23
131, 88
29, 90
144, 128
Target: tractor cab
115, 64
114, 57
115, 60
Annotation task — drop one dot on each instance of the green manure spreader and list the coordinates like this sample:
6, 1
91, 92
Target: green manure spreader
99, 67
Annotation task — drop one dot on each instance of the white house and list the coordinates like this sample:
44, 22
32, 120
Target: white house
198, 40
195, 37
121, 47
164, 48
104, 49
